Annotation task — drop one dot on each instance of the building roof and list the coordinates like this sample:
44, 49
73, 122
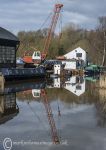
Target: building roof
76, 50
60, 58
6, 35
66, 56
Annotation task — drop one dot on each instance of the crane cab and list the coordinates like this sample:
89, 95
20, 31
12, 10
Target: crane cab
36, 55
36, 93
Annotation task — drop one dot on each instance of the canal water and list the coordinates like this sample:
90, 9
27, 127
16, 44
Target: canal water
51, 114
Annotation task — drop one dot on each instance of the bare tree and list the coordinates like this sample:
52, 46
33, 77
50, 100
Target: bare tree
102, 27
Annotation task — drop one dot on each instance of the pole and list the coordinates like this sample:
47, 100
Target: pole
104, 51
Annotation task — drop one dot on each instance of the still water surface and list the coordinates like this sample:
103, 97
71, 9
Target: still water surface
54, 114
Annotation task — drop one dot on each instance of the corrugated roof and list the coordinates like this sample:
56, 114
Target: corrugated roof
61, 58
6, 35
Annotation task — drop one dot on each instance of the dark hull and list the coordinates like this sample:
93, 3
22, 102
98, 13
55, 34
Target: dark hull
23, 73
91, 72
23, 86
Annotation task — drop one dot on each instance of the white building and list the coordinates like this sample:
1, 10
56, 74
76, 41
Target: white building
75, 59
70, 64
76, 85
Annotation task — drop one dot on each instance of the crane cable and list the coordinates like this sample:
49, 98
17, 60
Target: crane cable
28, 103
59, 112
45, 21
60, 30
59, 120
25, 53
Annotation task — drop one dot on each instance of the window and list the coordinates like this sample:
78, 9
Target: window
7, 54
78, 87
78, 54
37, 94
38, 53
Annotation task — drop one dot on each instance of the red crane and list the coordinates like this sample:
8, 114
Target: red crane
54, 133
37, 93
43, 94
37, 56
51, 29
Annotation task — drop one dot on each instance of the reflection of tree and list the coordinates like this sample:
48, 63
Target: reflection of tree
26, 96
90, 96
101, 112
101, 103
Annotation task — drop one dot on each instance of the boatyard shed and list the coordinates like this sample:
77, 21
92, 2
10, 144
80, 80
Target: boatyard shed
78, 54
75, 59
9, 44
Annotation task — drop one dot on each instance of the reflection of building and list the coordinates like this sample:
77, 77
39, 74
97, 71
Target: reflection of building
56, 83
8, 107
76, 85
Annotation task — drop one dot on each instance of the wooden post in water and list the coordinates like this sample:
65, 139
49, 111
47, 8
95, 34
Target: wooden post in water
104, 53
2, 81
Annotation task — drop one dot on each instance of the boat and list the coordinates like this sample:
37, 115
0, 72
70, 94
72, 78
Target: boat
92, 69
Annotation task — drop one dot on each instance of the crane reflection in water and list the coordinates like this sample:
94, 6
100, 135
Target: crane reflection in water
38, 89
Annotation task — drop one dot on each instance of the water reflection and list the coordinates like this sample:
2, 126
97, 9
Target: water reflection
76, 85
76, 92
37, 89
101, 113
8, 107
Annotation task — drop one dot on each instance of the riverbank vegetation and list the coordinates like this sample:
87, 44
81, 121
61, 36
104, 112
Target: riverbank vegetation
72, 36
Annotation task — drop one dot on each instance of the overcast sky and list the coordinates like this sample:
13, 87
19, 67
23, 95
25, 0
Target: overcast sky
16, 15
